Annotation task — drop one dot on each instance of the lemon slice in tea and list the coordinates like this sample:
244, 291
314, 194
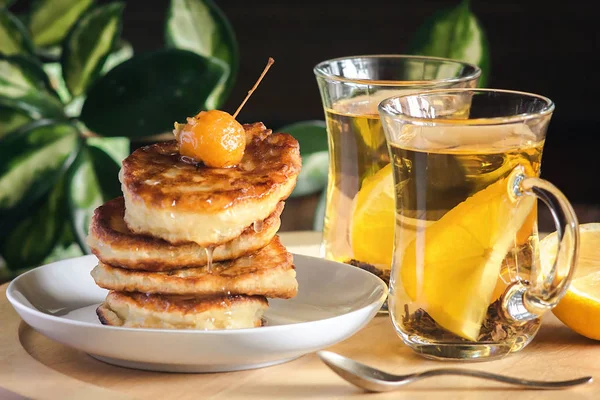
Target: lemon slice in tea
372, 224
452, 266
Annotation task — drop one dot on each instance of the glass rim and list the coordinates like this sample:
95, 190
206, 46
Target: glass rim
509, 119
318, 71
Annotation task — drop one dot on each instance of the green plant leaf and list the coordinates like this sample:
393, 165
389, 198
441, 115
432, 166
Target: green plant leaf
6, 3
66, 239
313, 176
62, 252
51, 20
116, 147
49, 54
454, 33
200, 26
25, 86
92, 180
121, 53
11, 119
89, 44
54, 73
73, 105
13, 35
34, 237
145, 95
32, 159
65, 247
25, 72
312, 137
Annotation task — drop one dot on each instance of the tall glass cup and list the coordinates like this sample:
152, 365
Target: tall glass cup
359, 217
466, 280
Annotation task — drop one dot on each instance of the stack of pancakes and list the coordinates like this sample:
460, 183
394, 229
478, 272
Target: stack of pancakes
192, 247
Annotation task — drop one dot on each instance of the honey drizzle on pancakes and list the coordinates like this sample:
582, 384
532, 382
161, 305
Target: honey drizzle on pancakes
258, 226
209, 258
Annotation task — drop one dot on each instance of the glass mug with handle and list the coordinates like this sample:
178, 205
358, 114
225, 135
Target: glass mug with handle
359, 217
466, 278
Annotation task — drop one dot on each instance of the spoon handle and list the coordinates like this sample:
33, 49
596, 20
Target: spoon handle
499, 378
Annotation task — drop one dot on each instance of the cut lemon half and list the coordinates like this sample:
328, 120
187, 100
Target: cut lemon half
453, 265
372, 224
580, 308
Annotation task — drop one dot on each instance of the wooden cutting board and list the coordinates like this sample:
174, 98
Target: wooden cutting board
36, 367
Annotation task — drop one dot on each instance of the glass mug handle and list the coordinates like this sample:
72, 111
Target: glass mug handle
523, 301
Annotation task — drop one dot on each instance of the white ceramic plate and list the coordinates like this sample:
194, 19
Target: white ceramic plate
334, 301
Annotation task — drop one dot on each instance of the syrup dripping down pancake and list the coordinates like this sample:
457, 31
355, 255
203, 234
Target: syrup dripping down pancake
268, 272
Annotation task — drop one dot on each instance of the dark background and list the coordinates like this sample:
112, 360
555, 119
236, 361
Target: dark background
546, 47
535, 45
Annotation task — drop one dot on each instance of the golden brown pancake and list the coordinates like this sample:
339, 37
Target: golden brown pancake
268, 272
139, 310
114, 244
256, 131
180, 202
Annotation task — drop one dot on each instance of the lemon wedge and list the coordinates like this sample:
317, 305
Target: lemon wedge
453, 265
580, 308
372, 224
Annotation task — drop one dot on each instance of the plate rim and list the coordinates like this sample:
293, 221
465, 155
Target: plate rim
224, 332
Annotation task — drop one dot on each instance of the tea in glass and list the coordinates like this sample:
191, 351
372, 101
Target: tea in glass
359, 217
462, 237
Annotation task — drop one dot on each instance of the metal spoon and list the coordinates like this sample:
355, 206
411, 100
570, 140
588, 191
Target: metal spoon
374, 380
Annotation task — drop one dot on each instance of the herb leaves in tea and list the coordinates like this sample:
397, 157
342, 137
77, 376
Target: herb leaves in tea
493, 329
384, 275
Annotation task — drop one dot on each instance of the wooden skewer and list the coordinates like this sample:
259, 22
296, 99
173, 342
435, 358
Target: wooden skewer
269, 63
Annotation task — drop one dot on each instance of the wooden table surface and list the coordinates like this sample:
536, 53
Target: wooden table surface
36, 367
